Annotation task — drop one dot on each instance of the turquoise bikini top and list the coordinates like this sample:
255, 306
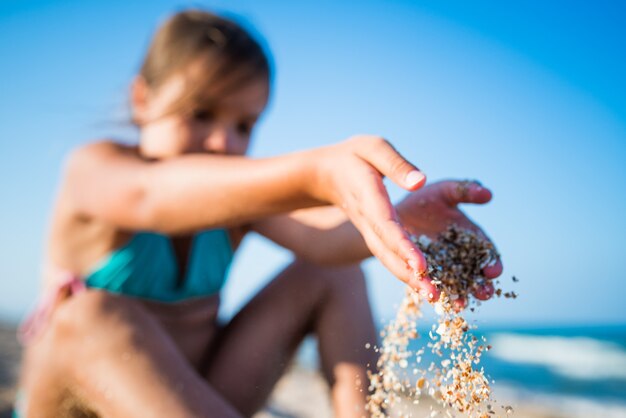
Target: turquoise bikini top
146, 267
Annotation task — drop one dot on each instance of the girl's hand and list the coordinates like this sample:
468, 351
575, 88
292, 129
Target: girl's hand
431, 210
350, 176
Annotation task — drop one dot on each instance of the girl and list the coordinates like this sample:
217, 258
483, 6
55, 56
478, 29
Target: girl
142, 238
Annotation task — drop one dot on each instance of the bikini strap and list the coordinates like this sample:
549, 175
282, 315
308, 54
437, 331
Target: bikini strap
67, 284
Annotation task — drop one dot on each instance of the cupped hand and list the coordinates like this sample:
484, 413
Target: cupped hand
350, 176
430, 210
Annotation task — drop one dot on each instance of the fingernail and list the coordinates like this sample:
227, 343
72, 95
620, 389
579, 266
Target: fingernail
413, 178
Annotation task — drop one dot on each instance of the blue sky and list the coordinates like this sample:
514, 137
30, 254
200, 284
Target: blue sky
528, 97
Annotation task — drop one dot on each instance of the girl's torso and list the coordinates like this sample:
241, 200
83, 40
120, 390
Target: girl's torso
173, 268
79, 244
177, 279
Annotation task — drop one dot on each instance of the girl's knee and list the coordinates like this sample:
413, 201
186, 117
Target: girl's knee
344, 279
346, 283
77, 313
56, 359
88, 314
342, 273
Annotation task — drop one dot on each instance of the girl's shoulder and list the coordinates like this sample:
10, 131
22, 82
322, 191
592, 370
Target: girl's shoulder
75, 238
102, 148
88, 159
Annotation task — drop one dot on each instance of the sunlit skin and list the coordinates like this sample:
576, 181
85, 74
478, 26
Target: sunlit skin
223, 129
327, 205
431, 210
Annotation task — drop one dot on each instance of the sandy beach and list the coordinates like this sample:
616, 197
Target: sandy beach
301, 393
9, 364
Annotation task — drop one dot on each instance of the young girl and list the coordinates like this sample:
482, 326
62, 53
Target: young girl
142, 238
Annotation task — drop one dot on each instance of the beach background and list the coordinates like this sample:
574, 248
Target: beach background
539, 372
529, 98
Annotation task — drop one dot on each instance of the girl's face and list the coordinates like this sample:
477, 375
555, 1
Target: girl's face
222, 130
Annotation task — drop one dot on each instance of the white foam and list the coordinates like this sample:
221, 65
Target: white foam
558, 405
572, 357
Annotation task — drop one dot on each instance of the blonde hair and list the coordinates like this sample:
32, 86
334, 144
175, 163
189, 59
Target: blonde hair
215, 54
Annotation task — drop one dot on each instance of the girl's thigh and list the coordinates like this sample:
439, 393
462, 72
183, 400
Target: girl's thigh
107, 354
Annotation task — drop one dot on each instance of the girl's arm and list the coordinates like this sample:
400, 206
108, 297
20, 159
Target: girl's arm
190, 192
326, 235
114, 185
322, 235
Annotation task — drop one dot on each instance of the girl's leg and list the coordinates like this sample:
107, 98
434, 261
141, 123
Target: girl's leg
108, 353
256, 346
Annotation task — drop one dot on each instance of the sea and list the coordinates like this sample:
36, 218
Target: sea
577, 368
579, 371
587, 361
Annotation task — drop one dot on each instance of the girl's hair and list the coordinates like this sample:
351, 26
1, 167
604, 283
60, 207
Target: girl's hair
215, 55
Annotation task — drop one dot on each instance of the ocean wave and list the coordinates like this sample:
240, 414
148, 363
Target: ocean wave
553, 405
572, 357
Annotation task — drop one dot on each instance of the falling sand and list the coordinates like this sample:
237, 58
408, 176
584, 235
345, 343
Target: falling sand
455, 379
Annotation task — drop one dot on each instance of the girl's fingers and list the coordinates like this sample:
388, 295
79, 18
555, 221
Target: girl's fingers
484, 292
407, 259
493, 271
459, 304
426, 288
472, 192
466, 192
399, 266
379, 153
390, 259
377, 220
383, 220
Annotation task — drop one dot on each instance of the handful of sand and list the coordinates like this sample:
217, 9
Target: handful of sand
456, 259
